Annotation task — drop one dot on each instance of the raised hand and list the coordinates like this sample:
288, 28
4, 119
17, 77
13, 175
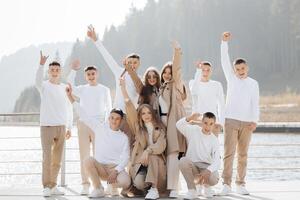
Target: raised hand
69, 93
91, 33
194, 117
226, 36
176, 45
75, 64
198, 64
43, 58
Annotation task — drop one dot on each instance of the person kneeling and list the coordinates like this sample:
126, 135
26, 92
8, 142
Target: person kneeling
202, 160
111, 151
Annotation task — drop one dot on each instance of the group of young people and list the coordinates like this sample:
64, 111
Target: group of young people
142, 141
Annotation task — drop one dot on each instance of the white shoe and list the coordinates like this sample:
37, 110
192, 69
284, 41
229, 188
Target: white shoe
46, 192
241, 189
199, 189
111, 190
56, 191
208, 192
152, 194
85, 189
226, 190
96, 193
191, 194
173, 194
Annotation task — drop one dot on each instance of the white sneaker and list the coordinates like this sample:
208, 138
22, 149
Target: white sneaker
85, 189
241, 189
111, 190
191, 194
173, 194
96, 193
226, 190
46, 192
152, 194
208, 192
56, 191
199, 189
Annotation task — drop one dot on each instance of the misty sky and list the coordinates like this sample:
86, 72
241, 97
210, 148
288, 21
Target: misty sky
26, 22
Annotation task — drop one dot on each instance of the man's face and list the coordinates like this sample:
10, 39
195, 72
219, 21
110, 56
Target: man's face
54, 72
134, 63
91, 76
241, 70
208, 124
115, 121
206, 71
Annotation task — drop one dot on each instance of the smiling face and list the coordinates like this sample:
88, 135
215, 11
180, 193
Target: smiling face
91, 76
241, 70
146, 115
54, 72
115, 121
167, 73
152, 78
208, 124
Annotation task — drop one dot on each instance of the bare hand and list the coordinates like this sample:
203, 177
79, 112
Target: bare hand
91, 33
252, 126
193, 117
69, 93
75, 65
198, 64
204, 176
68, 134
144, 159
226, 36
112, 178
127, 64
176, 45
43, 58
217, 129
122, 82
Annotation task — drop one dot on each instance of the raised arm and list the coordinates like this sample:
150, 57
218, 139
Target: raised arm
184, 124
40, 72
176, 67
225, 60
131, 113
135, 78
75, 66
112, 64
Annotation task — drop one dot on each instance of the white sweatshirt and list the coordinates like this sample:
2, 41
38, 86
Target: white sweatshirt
207, 97
56, 110
200, 147
117, 71
111, 147
242, 102
94, 100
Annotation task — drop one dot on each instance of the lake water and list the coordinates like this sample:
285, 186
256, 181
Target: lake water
18, 145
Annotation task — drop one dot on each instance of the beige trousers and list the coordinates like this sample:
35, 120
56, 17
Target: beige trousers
97, 172
237, 135
172, 171
190, 170
52, 140
85, 137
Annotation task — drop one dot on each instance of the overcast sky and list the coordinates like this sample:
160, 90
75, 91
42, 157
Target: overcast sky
26, 22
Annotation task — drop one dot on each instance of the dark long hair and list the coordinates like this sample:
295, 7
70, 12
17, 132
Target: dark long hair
167, 65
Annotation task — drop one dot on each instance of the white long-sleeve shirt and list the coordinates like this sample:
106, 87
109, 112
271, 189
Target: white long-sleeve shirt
207, 97
242, 101
200, 147
94, 100
117, 71
111, 147
56, 110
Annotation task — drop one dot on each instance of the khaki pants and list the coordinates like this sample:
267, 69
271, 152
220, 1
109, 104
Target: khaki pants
237, 135
97, 172
52, 139
190, 170
85, 137
172, 171
155, 175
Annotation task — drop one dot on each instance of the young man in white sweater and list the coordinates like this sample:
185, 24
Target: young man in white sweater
207, 94
56, 119
111, 150
95, 101
241, 117
202, 160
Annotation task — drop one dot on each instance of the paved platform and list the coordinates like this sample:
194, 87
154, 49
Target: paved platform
282, 190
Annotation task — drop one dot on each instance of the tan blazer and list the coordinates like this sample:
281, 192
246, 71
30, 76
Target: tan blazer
174, 93
141, 141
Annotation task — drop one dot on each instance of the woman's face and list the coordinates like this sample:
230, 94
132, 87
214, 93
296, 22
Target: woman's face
152, 78
167, 74
146, 115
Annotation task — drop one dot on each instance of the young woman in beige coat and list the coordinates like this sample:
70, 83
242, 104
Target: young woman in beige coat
172, 95
147, 166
